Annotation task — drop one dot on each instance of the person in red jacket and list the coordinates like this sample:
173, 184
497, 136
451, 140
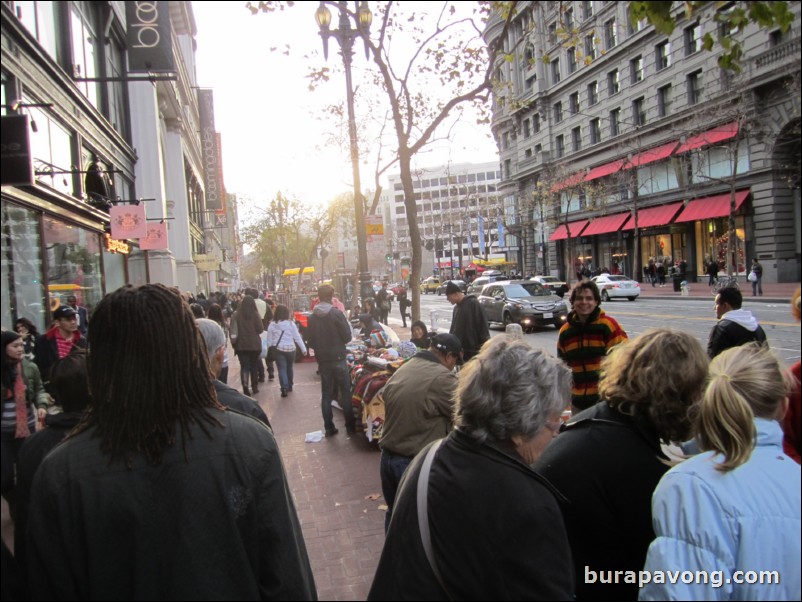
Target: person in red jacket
792, 423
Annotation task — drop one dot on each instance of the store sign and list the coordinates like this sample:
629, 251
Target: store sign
16, 152
156, 240
128, 221
206, 263
112, 245
209, 152
150, 44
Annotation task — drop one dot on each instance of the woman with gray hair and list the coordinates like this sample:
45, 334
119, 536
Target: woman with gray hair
491, 528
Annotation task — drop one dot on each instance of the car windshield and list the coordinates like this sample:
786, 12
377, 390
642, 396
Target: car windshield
616, 278
530, 289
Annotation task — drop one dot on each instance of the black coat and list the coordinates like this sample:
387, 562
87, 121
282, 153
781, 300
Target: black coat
231, 398
726, 334
328, 332
607, 465
496, 531
469, 325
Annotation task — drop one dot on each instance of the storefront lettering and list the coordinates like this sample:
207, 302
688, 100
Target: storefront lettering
113, 245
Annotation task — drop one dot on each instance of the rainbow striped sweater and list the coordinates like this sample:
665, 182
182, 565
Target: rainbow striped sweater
582, 346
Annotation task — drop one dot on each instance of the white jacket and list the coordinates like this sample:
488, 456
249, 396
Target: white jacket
291, 336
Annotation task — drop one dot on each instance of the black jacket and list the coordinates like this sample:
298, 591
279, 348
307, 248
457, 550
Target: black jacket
231, 398
496, 531
469, 325
47, 352
607, 465
730, 333
328, 332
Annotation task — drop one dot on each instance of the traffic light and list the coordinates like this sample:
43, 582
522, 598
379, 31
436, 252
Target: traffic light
389, 257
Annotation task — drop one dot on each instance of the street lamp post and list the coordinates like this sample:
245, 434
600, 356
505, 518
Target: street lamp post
345, 36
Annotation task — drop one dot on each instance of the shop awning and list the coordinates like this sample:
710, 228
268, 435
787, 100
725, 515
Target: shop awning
654, 216
655, 154
608, 223
295, 271
576, 229
605, 170
711, 207
717, 134
568, 182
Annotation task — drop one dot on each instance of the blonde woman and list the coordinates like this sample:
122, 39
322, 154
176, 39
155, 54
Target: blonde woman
729, 518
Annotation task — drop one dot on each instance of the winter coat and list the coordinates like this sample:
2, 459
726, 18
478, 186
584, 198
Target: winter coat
469, 325
328, 332
214, 519
287, 332
735, 328
418, 405
607, 464
246, 332
496, 530
746, 519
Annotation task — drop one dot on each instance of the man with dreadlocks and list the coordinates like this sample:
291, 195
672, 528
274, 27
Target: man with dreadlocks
160, 493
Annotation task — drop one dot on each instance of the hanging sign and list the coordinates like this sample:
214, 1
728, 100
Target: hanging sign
156, 238
128, 221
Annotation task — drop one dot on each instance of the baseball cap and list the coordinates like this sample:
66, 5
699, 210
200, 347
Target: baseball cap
447, 343
65, 311
452, 288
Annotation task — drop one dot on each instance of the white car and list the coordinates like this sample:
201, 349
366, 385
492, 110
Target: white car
613, 286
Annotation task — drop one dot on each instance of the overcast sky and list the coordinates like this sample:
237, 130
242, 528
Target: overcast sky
273, 135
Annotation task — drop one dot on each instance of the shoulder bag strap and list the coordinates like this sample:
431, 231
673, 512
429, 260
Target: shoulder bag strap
423, 513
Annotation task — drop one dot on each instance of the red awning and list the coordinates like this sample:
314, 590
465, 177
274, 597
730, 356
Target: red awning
576, 228
710, 207
605, 170
717, 134
654, 216
572, 180
608, 223
652, 155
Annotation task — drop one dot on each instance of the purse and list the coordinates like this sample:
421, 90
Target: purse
272, 351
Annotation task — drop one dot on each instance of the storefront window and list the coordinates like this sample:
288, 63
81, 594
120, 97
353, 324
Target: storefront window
114, 270
711, 241
73, 263
21, 294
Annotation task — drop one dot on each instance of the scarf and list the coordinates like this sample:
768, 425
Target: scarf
21, 406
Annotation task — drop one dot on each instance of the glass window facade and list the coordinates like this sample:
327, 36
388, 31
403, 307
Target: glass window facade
21, 292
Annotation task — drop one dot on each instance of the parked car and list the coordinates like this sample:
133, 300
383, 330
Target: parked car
429, 285
463, 286
475, 287
522, 302
552, 283
613, 286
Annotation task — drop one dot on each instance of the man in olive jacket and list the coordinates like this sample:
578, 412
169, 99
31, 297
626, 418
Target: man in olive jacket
418, 405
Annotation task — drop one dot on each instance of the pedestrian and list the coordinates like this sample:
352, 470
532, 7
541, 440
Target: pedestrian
660, 270
197, 310
736, 506
418, 409
735, 326
261, 309
27, 330
57, 342
328, 332
420, 335
284, 335
607, 460
756, 277
269, 314
83, 315
216, 315
468, 321
160, 493
792, 422
369, 307
70, 386
584, 340
246, 326
652, 271
712, 272
383, 302
24, 403
403, 305
214, 340
507, 410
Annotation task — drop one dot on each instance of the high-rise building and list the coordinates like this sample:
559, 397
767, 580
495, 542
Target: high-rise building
459, 215
621, 144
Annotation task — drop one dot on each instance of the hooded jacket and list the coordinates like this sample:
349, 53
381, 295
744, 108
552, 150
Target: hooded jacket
735, 328
328, 332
